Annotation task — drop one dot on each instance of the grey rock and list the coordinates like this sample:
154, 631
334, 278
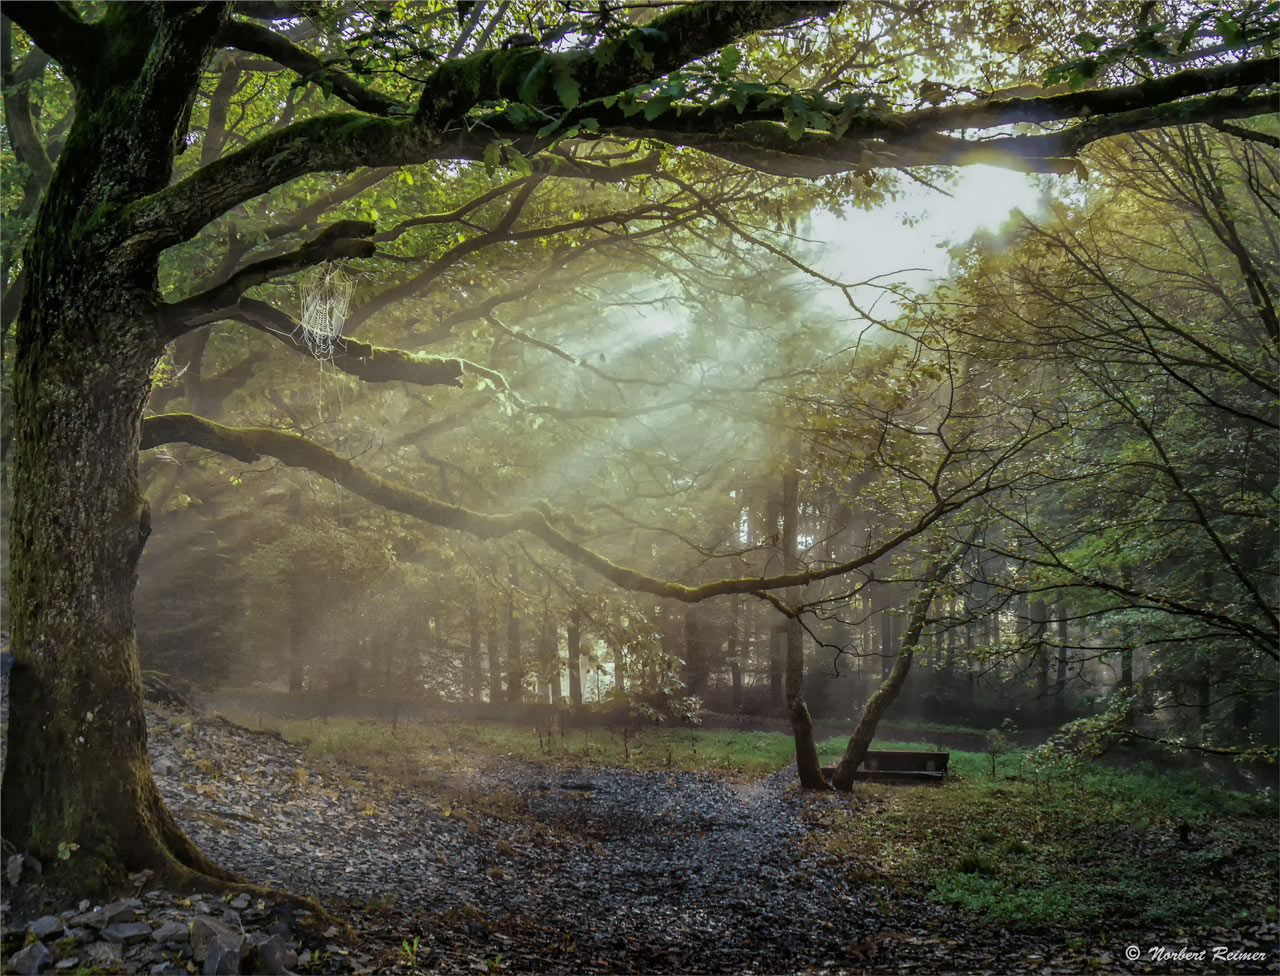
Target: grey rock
71, 962
119, 911
225, 954
164, 766
103, 955
45, 926
31, 960
240, 901
20, 864
171, 932
93, 918
127, 932
275, 958
82, 934
206, 928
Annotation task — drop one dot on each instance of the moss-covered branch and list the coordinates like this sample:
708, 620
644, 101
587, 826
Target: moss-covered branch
665, 44
250, 444
373, 364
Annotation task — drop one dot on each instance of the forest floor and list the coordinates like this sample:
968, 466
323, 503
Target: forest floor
454, 858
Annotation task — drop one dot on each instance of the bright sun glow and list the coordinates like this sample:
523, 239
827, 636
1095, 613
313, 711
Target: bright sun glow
906, 240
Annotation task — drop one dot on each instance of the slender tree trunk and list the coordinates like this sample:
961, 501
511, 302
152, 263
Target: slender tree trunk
887, 648
573, 642
544, 659
777, 666
1040, 651
737, 641
473, 651
695, 653
297, 611
1060, 684
807, 765
495, 665
515, 665
619, 664
553, 643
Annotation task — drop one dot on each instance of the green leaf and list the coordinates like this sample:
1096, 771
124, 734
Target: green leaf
567, 88
655, 107
730, 58
517, 161
1090, 42
531, 87
493, 155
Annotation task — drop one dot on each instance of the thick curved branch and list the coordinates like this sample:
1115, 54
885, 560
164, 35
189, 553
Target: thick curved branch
58, 30
257, 39
250, 444
341, 240
339, 142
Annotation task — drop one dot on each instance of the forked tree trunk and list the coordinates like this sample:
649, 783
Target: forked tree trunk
884, 696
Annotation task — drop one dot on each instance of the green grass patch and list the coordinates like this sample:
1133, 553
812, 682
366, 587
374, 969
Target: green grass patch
440, 744
1100, 849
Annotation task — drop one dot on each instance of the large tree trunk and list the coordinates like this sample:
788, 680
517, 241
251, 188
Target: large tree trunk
87, 339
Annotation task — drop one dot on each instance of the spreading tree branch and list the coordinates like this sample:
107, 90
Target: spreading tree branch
251, 444
257, 39
344, 239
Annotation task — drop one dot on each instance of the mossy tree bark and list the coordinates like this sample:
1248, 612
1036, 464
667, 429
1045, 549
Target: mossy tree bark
87, 338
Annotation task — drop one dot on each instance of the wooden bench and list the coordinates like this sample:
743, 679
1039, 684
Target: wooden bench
900, 766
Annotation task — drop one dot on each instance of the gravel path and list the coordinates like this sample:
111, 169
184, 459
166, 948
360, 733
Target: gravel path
556, 870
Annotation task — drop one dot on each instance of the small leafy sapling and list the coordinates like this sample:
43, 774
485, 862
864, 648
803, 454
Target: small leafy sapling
409, 952
998, 742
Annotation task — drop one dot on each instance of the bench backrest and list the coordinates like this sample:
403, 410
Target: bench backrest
903, 760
